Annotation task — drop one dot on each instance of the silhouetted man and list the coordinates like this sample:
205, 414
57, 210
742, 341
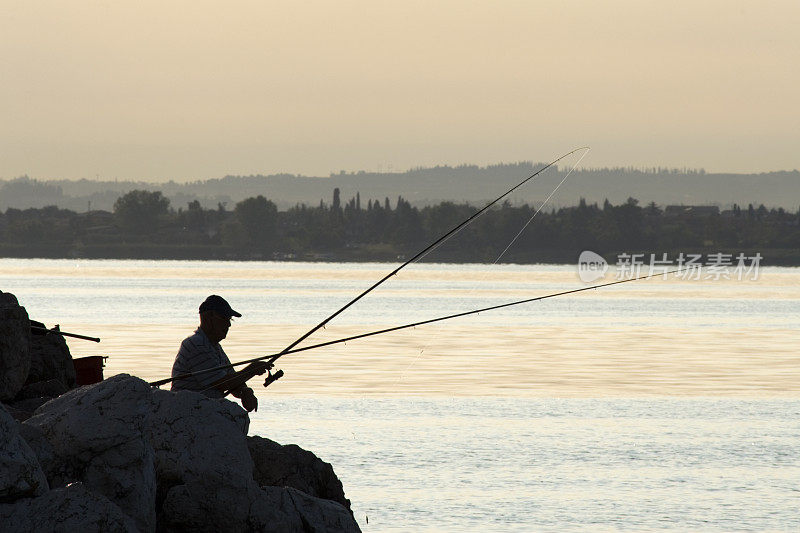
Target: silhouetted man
202, 351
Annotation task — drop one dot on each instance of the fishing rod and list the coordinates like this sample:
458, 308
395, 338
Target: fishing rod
428, 248
269, 360
418, 255
44, 331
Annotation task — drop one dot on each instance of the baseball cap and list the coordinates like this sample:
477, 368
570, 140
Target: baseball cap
219, 305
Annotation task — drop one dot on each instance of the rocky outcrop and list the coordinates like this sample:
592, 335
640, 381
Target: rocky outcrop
206, 473
120, 456
220, 504
51, 388
71, 509
97, 435
200, 448
31, 366
132, 458
196, 437
21, 413
33, 396
15, 338
291, 466
20, 472
197, 506
50, 359
316, 514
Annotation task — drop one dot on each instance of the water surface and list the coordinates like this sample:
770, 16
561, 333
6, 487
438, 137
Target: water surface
651, 337
652, 405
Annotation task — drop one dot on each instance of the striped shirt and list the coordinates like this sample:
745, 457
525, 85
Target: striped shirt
197, 352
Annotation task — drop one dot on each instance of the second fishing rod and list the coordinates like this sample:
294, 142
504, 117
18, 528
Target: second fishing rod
270, 360
414, 258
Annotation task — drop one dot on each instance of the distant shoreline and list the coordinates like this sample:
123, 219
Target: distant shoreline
770, 257
143, 226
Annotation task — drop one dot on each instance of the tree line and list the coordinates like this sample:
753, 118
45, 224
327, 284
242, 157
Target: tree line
427, 186
144, 224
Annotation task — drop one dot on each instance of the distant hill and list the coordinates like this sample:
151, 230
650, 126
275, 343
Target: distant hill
427, 186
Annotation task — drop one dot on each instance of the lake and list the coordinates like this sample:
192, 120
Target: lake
655, 404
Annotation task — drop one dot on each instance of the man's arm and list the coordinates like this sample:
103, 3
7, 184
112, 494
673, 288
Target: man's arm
235, 383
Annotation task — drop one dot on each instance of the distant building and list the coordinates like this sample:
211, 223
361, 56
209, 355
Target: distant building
691, 210
97, 222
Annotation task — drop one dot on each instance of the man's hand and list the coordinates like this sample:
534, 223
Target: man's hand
259, 367
233, 383
249, 400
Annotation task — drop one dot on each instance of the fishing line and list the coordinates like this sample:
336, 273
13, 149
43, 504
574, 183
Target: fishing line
420, 254
510, 244
423, 252
273, 357
431, 246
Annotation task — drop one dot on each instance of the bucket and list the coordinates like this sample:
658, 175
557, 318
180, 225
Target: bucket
89, 370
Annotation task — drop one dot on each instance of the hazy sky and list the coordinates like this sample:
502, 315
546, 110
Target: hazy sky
196, 89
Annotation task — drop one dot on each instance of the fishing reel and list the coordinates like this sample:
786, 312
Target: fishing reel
272, 377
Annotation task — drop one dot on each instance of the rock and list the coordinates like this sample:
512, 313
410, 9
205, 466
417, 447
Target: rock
19, 414
205, 506
97, 434
50, 359
218, 504
29, 406
20, 473
122, 456
292, 466
315, 514
195, 436
34, 395
205, 472
69, 509
51, 388
42, 448
197, 439
15, 335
